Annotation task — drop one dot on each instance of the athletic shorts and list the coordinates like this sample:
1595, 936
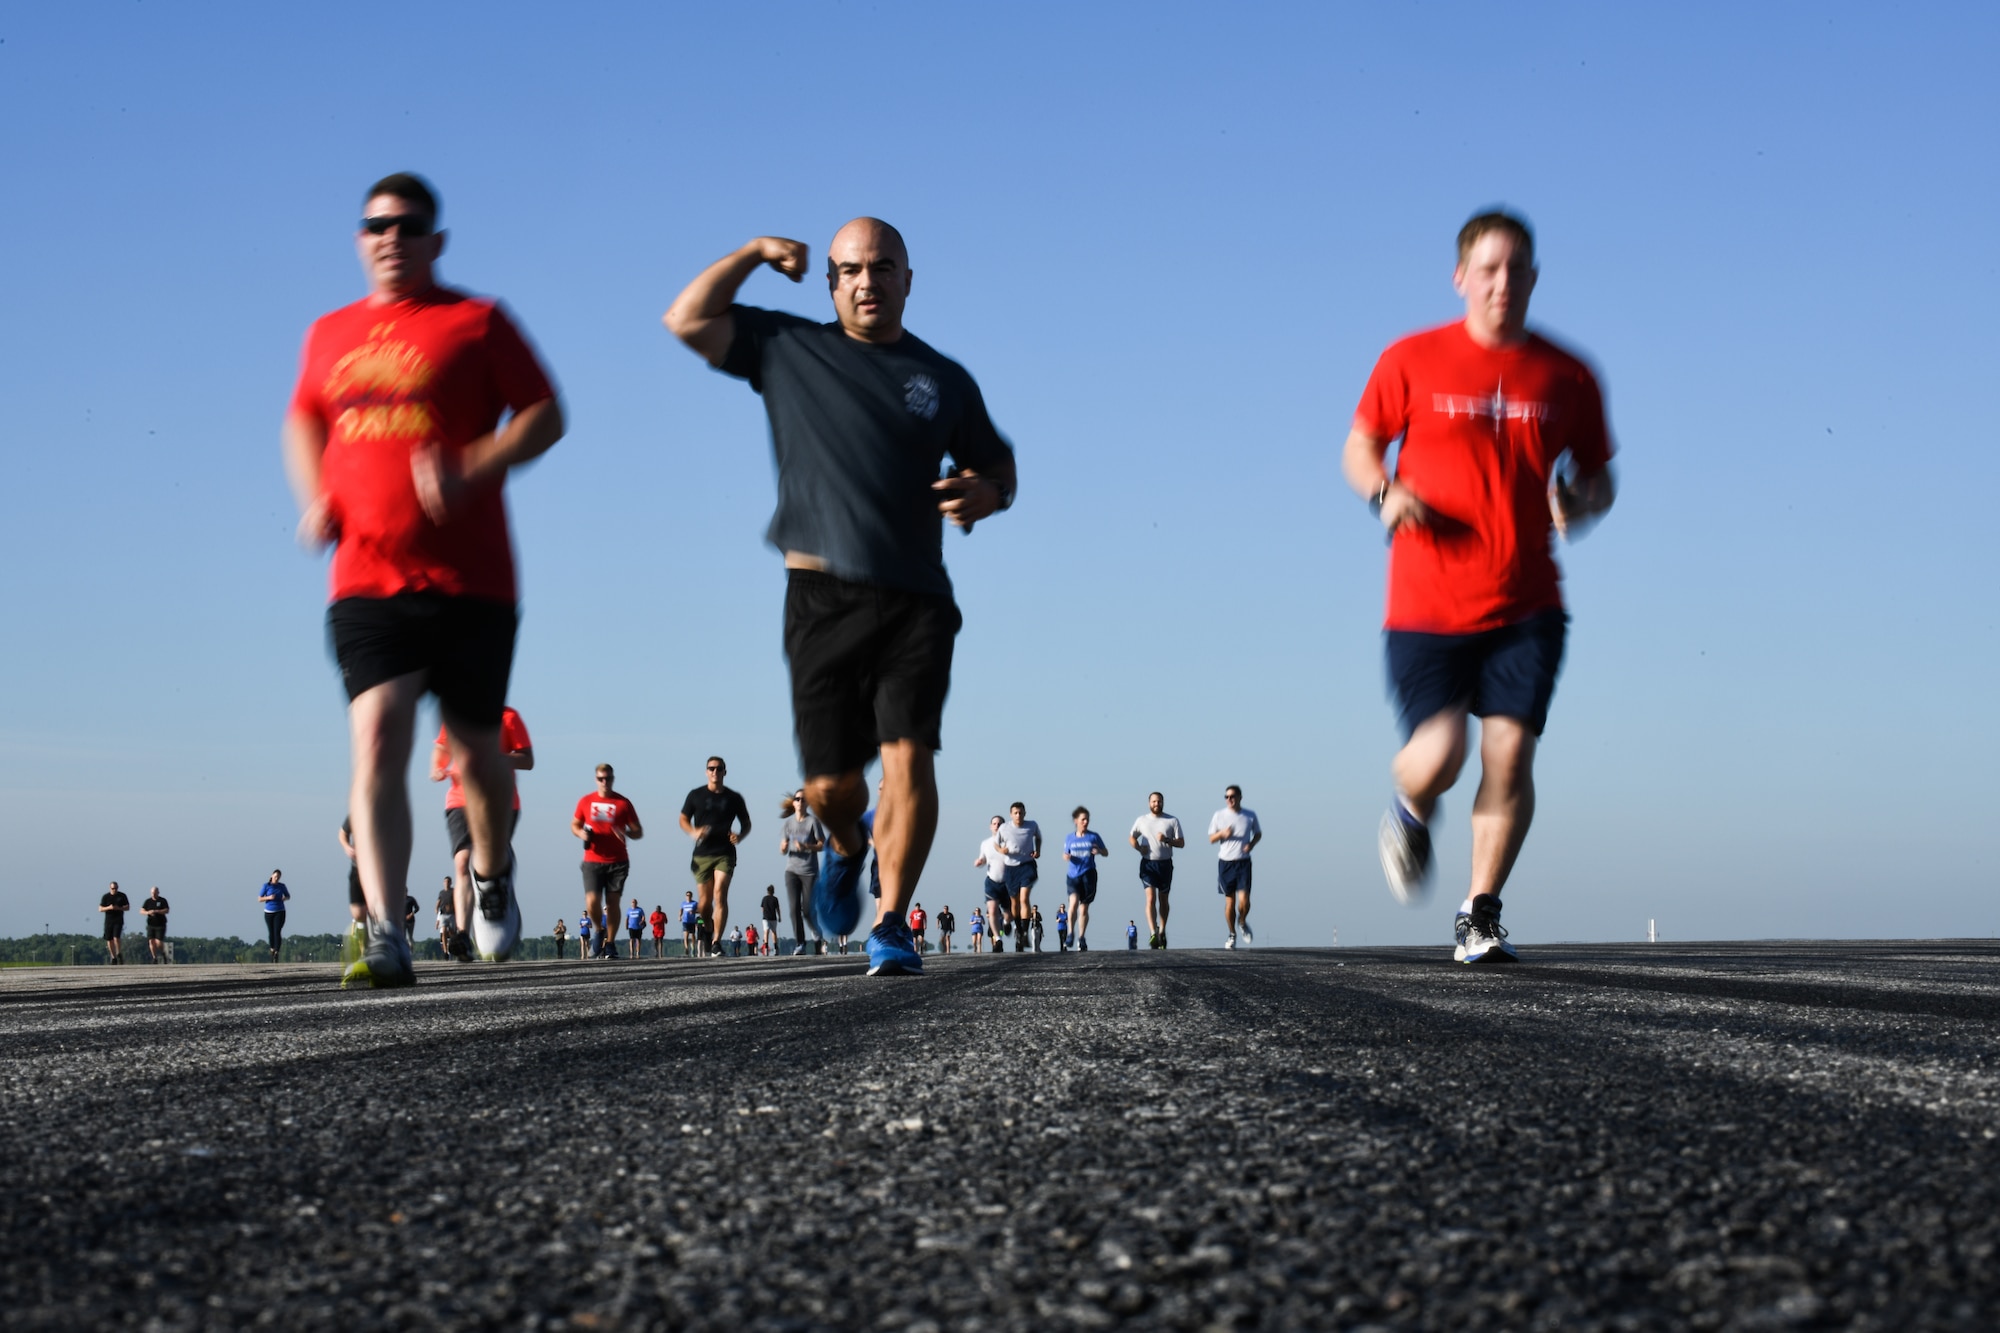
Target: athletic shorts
869, 664
114, 925
355, 897
631, 932
460, 832
1022, 876
156, 927
1506, 672
1232, 876
704, 866
1084, 887
995, 889
605, 876
464, 645
1157, 875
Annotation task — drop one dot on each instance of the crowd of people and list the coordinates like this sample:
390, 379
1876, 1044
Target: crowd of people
414, 403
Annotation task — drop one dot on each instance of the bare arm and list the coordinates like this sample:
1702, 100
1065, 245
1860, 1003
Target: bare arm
700, 316
1580, 501
633, 829
528, 434
1361, 463
440, 763
522, 759
967, 496
304, 444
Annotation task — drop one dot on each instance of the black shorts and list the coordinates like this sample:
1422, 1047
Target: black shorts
1232, 876
632, 932
156, 927
461, 833
1083, 887
355, 898
114, 925
869, 664
1506, 672
1157, 875
463, 645
605, 876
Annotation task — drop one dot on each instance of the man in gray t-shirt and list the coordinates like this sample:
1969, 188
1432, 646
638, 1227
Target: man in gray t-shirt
1154, 836
800, 838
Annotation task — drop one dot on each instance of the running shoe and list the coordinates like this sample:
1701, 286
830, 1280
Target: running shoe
1229, 943
999, 945
1163, 939
1481, 937
496, 916
837, 893
384, 961
892, 951
1243, 929
461, 947
1082, 944
1153, 940
1405, 845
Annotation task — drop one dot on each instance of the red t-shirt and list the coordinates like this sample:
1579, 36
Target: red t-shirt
606, 817
1482, 429
917, 919
384, 379
659, 922
513, 736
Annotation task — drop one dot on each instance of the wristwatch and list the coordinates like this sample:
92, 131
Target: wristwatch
1381, 494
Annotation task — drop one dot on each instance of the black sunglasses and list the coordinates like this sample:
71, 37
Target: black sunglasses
414, 225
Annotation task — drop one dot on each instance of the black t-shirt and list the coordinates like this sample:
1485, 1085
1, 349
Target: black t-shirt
118, 903
154, 904
714, 811
947, 923
409, 907
770, 907
860, 432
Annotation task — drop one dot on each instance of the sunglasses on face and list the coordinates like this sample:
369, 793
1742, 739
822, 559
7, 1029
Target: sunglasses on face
413, 225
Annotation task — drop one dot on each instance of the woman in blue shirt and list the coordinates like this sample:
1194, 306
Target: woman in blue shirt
273, 896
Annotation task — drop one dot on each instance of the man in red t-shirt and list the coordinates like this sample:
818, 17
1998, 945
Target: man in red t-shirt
658, 921
519, 752
411, 406
604, 820
1503, 441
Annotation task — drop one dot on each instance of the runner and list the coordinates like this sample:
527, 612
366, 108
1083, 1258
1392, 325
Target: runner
993, 855
635, 925
410, 909
706, 815
1132, 935
584, 925
1238, 831
154, 909
1021, 841
1154, 836
978, 929
1486, 413
918, 921
114, 904
658, 921
357, 903
396, 451
561, 933
750, 939
800, 840
772, 909
1062, 928
1080, 852
947, 923
736, 941
1036, 929
447, 923
862, 414
272, 896
690, 913
519, 753
605, 820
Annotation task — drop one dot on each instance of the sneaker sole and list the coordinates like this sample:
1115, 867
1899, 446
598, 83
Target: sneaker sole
360, 976
506, 932
895, 967
1409, 892
1491, 956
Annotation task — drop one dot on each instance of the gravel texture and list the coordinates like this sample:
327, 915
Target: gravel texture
1796, 1135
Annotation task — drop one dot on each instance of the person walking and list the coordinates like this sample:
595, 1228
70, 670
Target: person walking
1238, 831
800, 840
273, 895
1154, 836
1503, 445
112, 906
561, 933
397, 452
518, 752
993, 856
1081, 849
154, 908
862, 414
706, 816
606, 822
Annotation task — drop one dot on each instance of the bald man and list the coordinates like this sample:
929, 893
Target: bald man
863, 415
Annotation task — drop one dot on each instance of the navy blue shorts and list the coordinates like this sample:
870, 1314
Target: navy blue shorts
1232, 876
1022, 876
1084, 887
1157, 875
995, 889
1506, 672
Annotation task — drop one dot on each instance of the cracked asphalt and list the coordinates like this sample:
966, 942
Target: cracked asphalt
1795, 1135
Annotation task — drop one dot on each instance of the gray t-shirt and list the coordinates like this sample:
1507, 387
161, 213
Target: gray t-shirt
1019, 842
1151, 828
860, 432
802, 829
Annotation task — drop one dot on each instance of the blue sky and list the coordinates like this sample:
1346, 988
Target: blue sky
1169, 241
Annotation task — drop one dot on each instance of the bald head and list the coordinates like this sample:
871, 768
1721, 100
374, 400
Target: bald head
868, 273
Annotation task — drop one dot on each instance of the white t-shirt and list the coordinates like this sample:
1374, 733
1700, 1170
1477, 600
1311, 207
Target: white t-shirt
1241, 827
996, 859
1019, 843
1151, 830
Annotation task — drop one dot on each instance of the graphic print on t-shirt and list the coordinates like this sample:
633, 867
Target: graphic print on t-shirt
920, 395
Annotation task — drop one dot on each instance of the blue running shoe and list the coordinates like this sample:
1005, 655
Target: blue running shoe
892, 952
837, 893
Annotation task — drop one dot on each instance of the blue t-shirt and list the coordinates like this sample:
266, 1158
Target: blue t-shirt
278, 892
583, 926
1131, 931
1062, 919
688, 911
978, 925
634, 918
1080, 851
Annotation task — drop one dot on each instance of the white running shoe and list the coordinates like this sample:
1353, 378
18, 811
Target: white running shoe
1243, 929
1481, 937
1406, 855
496, 917
1229, 943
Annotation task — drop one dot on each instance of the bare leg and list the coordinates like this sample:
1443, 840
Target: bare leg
906, 821
1079, 918
720, 894
1429, 763
1242, 909
839, 801
1505, 804
1153, 922
381, 726
1229, 911
488, 780
461, 890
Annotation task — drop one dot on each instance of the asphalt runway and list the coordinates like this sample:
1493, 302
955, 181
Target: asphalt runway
1750, 1136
